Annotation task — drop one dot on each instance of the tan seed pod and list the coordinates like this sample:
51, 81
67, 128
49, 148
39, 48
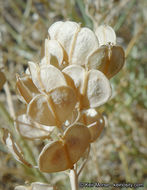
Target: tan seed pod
61, 155
105, 35
31, 130
44, 77
114, 62
93, 87
94, 122
26, 89
77, 42
52, 110
77, 139
2, 79
53, 158
13, 148
108, 59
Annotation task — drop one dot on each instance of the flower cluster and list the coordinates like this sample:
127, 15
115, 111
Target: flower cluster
64, 91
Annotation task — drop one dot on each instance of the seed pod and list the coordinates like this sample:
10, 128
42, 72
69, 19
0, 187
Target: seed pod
31, 130
110, 60
77, 42
13, 148
2, 79
92, 86
54, 54
105, 35
61, 155
94, 122
53, 109
45, 75
25, 88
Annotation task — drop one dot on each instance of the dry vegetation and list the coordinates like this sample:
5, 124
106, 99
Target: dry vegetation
120, 154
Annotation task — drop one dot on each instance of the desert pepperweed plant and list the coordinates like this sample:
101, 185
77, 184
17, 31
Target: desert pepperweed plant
62, 94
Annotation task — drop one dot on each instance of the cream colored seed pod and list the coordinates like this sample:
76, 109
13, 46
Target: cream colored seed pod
46, 77
31, 130
54, 54
77, 42
61, 155
105, 35
92, 86
94, 122
54, 108
13, 148
110, 60
26, 89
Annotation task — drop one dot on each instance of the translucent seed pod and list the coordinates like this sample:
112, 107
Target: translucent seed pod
54, 54
105, 35
108, 59
31, 130
94, 122
44, 77
54, 108
26, 89
61, 155
14, 148
93, 87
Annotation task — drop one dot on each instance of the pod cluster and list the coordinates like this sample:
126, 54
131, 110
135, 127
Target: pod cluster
62, 93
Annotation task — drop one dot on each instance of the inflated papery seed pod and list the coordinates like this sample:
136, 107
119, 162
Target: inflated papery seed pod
93, 88
77, 42
54, 54
36, 186
46, 77
94, 122
25, 88
61, 155
2, 79
105, 35
52, 109
13, 148
30, 129
108, 59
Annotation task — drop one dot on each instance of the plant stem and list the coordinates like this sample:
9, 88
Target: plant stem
73, 179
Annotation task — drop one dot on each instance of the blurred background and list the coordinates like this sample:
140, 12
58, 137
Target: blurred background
120, 154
